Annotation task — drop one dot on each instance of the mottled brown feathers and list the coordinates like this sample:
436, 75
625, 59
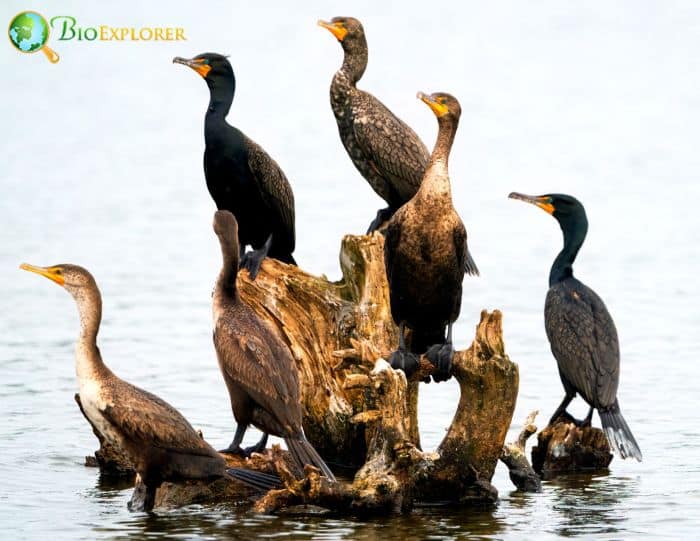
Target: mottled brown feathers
386, 151
259, 370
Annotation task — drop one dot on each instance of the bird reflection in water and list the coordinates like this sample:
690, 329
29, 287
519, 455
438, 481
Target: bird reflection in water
590, 503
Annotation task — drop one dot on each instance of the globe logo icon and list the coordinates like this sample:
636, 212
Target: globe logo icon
29, 33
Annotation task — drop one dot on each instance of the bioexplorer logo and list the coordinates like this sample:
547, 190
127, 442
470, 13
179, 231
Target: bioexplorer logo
29, 32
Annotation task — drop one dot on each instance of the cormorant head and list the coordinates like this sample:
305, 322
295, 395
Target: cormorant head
568, 210
347, 30
213, 67
72, 278
225, 225
442, 104
226, 228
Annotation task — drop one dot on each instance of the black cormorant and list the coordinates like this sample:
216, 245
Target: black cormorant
581, 332
426, 255
241, 176
158, 441
258, 368
384, 149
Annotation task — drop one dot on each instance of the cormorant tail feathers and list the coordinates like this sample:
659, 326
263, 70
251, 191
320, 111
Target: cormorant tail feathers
469, 265
619, 434
259, 480
304, 453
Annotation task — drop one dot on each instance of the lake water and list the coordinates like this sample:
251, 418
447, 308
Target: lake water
101, 166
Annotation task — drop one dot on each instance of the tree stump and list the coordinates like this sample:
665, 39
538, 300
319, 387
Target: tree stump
360, 413
564, 448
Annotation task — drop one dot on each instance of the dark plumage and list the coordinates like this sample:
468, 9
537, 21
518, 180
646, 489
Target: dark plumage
581, 332
384, 149
258, 368
158, 441
426, 255
241, 176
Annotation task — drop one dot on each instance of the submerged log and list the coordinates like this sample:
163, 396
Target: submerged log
360, 413
564, 447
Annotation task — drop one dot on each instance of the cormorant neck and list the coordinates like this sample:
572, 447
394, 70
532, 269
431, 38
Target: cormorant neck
89, 362
574, 234
447, 129
226, 283
355, 60
220, 98
436, 180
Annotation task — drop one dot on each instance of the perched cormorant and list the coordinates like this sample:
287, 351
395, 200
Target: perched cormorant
258, 368
581, 332
426, 255
159, 442
384, 149
241, 176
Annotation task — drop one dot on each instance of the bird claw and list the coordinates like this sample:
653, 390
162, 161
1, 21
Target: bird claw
257, 448
566, 417
441, 357
382, 216
251, 261
237, 450
404, 360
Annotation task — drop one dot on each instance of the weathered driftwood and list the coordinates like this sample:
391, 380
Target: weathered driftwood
564, 447
360, 413
519, 469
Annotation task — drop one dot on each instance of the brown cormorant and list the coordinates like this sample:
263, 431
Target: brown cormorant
384, 149
426, 255
258, 368
581, 331
158, 441
241, 176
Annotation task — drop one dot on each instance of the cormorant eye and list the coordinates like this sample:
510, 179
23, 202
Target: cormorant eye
205, 61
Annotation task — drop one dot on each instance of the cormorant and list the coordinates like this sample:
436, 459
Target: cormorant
241, 176
159, 442
426, 255
258, 368
581, 331
384, 149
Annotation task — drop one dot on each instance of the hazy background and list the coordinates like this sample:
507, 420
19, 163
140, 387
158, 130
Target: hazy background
102, 166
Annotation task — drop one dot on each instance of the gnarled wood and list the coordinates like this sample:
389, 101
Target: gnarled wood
519, 469
564, 448
357, 410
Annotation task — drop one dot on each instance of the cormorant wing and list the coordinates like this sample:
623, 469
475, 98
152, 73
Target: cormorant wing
584, 341
257, 364
390, 145
392, 237
144, 417
464, 258
275, 191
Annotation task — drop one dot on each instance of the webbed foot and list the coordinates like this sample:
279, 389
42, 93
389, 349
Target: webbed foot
404, 360
441, 357
566, 417
234, 450
253, 259
382, 216
258, 447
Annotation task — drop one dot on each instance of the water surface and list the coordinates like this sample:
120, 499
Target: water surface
101, 166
